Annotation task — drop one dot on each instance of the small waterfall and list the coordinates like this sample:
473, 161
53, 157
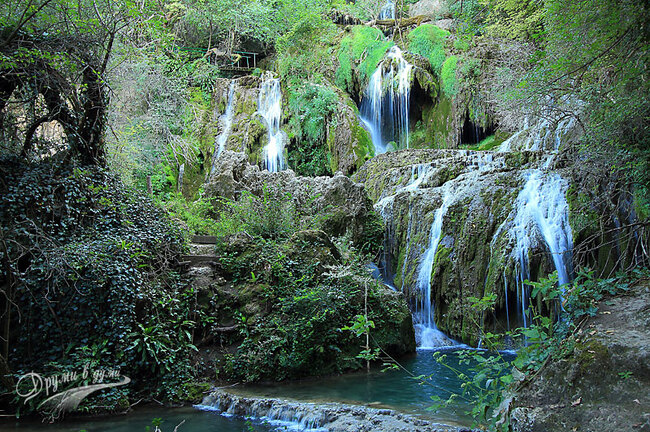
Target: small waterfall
385, 103
541, 209
269, 106
225, 122
387, 11
427, 334
316, 417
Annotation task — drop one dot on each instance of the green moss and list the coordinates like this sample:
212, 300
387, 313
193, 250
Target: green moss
364, 48
429, 41
363, 148
489, 143
448, 82
437, 120
194, 392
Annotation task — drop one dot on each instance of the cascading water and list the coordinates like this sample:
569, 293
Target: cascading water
225, 121
387, 11
427, 335
542, 209
385, 103
269, 106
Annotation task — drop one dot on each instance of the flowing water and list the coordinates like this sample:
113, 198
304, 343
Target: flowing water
140, 419
385, 103
393, 389
387, 11
225, 122
537, 223
269, 106
542, 212
427, 334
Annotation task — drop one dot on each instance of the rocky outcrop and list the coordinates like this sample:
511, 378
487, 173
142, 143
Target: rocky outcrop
248, 130
604, 385
429, 8
348, 143
333, 417
342, 205
477, 190
491, 208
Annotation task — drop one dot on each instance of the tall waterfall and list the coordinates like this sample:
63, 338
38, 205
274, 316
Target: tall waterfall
269, 106
385, 103
387, 11
542, 210
225, 122
427, 334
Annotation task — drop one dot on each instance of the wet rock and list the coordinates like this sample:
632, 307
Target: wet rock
341, 204
333, 417
474, 256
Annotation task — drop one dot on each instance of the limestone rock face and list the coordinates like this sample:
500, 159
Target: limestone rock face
334, 417
604, 385
247, 130
429, 8
474, 196
348, 143
342, 204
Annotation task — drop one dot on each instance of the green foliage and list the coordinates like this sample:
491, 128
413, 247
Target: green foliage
546, 338
312, 107
103, 254
360, 325
195, 215
448, 81
273, 215
303, 51
429, 41
522, 20
304, 307
362, 50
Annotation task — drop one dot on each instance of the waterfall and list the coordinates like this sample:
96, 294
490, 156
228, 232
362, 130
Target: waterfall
427, 334
541, 209
387, 11
225, 122
269, 106
385, 103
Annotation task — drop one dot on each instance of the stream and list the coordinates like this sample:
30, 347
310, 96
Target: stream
394, 389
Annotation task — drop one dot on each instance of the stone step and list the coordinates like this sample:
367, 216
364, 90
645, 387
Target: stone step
201, 249
203, 239
198, 259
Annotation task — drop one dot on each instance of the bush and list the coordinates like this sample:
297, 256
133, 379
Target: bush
273, 215
312, 107
84, 252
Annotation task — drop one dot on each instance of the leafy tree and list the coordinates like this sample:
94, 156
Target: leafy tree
54, 58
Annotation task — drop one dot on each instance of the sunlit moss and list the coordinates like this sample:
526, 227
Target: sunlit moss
429, 41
